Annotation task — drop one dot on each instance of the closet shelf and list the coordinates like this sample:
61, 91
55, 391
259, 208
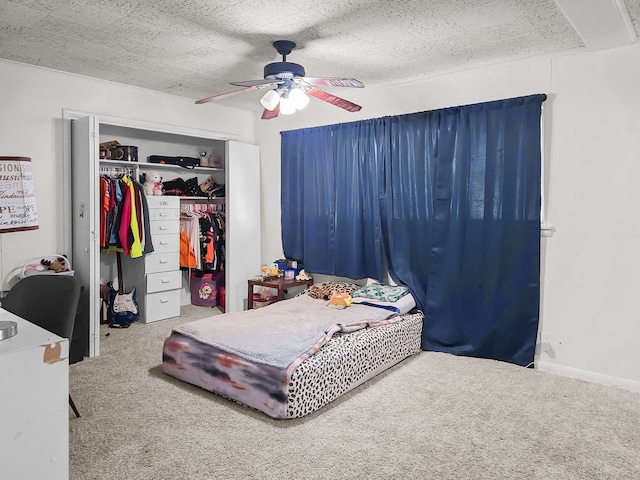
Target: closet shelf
177, 168
158, 166
117, 162
199, 199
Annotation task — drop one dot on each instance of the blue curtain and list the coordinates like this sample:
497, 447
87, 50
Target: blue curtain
330, 212
450, 199
463, 227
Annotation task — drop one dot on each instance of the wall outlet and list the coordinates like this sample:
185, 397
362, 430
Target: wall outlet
546, 345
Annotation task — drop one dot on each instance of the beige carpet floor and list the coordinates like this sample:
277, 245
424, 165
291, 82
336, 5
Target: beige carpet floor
433, 416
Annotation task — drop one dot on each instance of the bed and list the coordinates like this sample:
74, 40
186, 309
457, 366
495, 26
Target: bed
293, 357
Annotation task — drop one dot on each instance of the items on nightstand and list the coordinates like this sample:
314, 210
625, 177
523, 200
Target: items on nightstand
270, 271
286, 264
303, 276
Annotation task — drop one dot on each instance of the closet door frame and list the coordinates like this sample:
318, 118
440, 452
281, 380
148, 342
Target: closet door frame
81, 131
82, 226
242, 252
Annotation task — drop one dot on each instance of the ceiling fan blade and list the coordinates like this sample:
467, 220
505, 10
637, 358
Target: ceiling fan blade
269, 114
257, 83
220, 96
333, 82
333, 100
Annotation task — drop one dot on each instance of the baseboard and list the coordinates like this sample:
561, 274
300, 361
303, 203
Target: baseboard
623, 383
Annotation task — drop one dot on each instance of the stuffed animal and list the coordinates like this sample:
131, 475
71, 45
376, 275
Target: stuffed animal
152, 183
339, 300
59, 265
302, 275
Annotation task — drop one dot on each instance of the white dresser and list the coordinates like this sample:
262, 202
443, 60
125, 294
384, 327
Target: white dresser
157, 275
34, 392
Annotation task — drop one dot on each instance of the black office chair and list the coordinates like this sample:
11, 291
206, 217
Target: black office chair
49, 301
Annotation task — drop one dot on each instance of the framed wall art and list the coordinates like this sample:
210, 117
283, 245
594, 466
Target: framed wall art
17, 195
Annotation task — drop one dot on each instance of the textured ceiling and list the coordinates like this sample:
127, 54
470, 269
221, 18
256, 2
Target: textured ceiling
194, 48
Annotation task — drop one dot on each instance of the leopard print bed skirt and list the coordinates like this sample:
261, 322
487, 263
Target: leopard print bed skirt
348, 360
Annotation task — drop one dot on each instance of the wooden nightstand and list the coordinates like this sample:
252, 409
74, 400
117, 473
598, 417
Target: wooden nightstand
280, 284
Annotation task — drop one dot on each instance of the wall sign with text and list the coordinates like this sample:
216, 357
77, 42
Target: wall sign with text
17, 195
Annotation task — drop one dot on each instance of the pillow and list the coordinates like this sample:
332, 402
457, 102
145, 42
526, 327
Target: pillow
323, 291
402, 306
385, 293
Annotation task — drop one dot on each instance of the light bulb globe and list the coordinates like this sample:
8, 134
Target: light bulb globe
270, 99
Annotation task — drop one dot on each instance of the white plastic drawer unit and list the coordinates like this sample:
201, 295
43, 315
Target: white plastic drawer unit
166, 243
163, 214
161, 305
161, 281
161, 262
164, 227
163, 202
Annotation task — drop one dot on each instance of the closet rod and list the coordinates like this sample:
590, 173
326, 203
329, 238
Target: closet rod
201, 207
115, 171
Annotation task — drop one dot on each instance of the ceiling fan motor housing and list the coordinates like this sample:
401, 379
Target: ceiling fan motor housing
281, 69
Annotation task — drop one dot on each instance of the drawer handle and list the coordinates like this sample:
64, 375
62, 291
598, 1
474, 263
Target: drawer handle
166, 280
164, 300
164, 228
163, 242
163, 214
164, 261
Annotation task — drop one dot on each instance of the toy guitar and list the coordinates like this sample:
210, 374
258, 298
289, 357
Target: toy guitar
124, 307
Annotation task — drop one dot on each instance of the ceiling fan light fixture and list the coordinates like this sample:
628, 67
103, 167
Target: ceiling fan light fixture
270, 99
287, 105
299, 98
290, 88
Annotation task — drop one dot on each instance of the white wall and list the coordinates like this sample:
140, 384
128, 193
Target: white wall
31, 104
591, 266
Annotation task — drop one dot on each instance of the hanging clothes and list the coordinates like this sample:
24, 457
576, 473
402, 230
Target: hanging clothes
190, 228
203, 227
124, 216
187, 254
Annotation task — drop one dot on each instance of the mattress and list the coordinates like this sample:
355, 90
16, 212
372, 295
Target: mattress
340, 361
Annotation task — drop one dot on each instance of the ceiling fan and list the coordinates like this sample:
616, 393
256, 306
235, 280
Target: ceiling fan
289, 88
